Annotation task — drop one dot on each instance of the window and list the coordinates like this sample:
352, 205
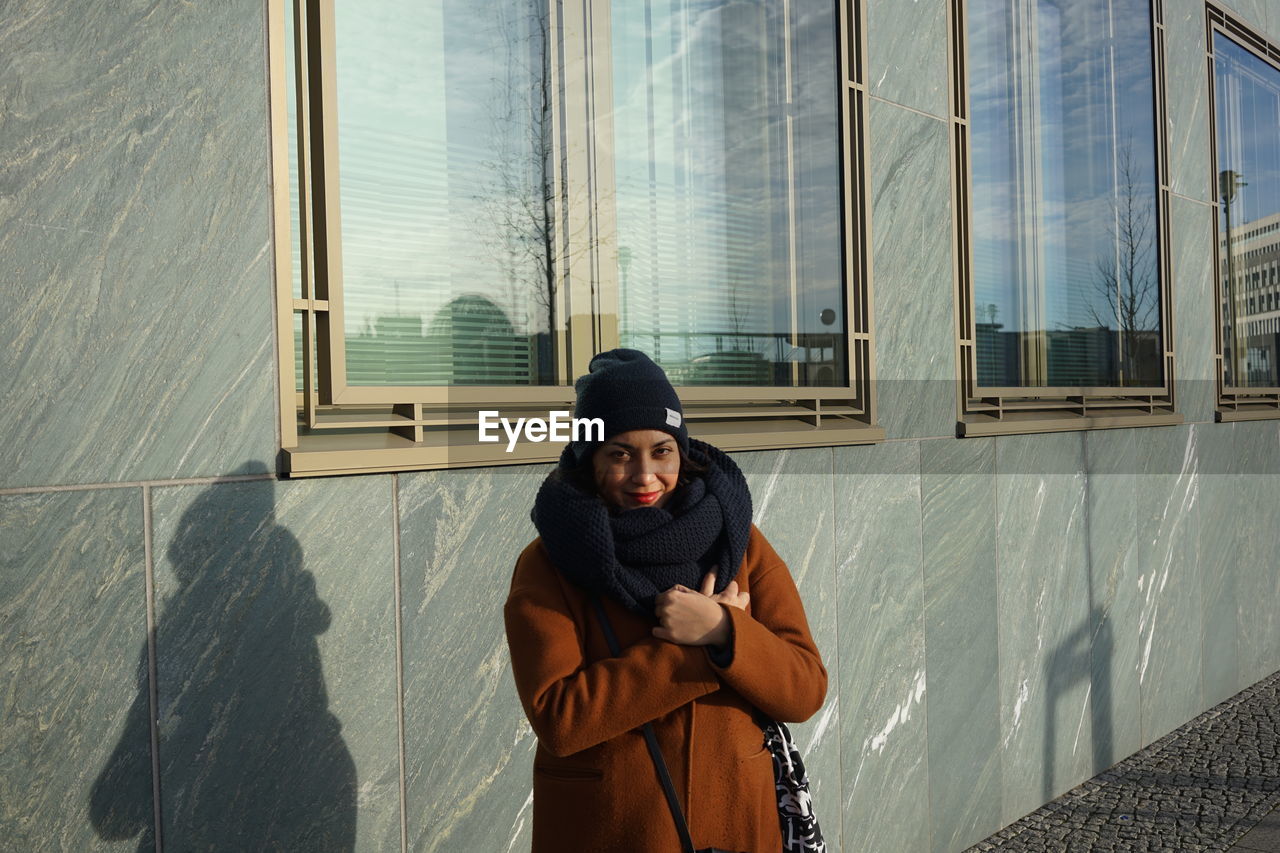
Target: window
1061, 201
1246, 146
483, 194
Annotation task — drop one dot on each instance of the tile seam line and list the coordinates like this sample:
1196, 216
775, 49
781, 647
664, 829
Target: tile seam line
134, 484
924, 652
1198, 201
908, 109
1001, 818
153, 692
271, 215
395, 552
835, 567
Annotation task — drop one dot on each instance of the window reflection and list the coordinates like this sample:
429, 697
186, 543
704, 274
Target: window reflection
443, 139
728, 189
1247, 106
1065, 205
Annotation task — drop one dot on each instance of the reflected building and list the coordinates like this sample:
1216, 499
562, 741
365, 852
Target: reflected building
470, 341
1082, 356
1250, 292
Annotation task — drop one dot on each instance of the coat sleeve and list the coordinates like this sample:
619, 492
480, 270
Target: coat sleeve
774, 663
572, 704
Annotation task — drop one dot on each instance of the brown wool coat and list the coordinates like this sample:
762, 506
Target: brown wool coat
594, 785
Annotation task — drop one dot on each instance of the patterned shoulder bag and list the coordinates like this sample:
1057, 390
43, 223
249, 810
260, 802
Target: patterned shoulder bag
800, 830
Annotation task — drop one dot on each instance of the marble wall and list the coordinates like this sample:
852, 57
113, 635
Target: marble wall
1001, 617
134, 224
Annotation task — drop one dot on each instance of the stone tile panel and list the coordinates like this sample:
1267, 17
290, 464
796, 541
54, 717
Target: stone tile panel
882, 654
276, 658
75, 745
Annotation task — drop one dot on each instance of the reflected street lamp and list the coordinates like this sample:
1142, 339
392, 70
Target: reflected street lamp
1228, 182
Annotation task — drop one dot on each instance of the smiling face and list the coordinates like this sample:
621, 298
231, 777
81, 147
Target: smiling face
637, 468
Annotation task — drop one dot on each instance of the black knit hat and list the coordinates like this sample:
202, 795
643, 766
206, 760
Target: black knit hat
626, 390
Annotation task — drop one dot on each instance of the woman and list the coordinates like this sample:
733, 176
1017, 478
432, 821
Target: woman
714, 640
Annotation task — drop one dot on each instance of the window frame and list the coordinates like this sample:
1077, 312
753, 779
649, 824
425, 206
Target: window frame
1234, 402
998, 410
331, 427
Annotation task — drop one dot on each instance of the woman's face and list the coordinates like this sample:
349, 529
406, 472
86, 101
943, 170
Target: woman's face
637, 468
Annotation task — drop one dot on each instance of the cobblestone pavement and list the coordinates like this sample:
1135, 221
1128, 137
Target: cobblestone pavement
1199, 788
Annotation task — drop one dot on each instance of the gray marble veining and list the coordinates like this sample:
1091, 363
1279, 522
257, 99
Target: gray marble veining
961, 640
1045, 622
277, 664
1257, 446
792, 503
468, 746
1220, 558
907, 54
1191, 232
1114, 564
134, 220
75, 749
911, 236
1187, 100
1169, 587
882, 655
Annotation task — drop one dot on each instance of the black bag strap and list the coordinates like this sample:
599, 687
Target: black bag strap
651, 739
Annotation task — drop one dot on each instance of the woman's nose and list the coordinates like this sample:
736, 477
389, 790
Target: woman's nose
643, 473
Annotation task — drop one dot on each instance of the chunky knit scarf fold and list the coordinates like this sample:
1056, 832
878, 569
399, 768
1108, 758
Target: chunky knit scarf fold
633, 556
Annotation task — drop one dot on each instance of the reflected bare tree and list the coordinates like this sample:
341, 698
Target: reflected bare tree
1126, 279
518, 200
739, 309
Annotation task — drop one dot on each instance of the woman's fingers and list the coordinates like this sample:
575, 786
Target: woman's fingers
687, 619
709, 583
732, 597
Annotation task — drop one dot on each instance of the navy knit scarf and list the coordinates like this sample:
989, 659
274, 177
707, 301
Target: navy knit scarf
633, 556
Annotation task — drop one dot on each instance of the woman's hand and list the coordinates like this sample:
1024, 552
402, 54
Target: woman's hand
695, 618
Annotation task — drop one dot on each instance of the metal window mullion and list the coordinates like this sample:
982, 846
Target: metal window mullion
1164, 253
855, 143
1219, 371
559, 240
301, 73
309, 396
603, 177
327, 227
588, 263
278, 82
961, 188
793, 276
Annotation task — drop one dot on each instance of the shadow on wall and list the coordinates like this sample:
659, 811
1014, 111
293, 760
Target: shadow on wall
250, 756
1083, 657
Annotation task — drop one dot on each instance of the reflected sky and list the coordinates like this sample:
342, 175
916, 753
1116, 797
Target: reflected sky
1247, 133
1064, 193
727, 166
1247, 100
441, 134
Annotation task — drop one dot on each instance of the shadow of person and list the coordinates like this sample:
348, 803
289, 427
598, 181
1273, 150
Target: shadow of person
250, 757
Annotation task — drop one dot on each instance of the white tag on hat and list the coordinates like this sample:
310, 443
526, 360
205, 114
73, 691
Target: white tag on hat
673, 418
